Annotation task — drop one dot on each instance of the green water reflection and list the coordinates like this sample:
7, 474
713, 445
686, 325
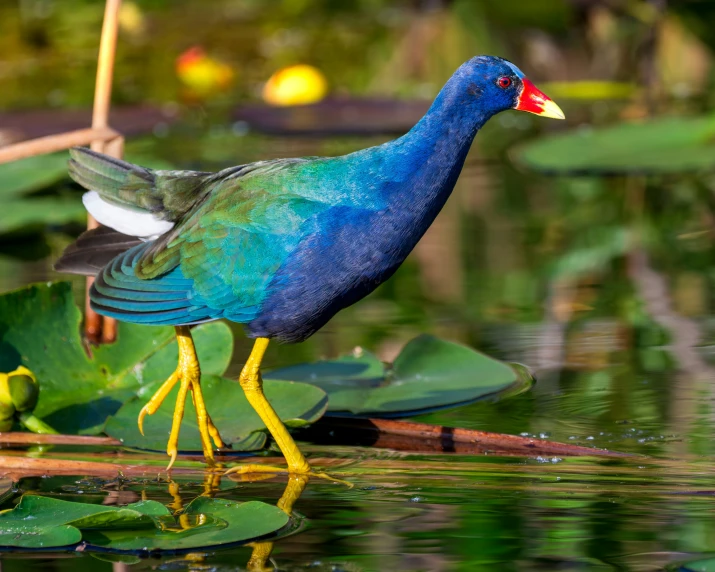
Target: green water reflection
548, 514
601, 285
620, 347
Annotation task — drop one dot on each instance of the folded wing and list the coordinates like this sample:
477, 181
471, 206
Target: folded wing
229, 233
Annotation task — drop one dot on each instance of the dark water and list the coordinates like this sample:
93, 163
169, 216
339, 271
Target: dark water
601, 286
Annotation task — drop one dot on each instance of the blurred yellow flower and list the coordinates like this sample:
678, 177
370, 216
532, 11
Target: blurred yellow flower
295, 85
131, 18
201, 73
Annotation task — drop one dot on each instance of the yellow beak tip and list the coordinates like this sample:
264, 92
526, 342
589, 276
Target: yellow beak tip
550, 109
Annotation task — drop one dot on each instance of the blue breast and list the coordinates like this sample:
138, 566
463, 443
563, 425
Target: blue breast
357, 249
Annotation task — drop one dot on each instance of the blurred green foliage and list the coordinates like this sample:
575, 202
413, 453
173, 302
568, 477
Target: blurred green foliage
546, 271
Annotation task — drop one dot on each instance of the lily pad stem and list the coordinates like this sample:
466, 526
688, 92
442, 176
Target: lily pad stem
32, 423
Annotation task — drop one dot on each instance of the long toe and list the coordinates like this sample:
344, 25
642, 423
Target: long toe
172, 446
204, 422
152, 406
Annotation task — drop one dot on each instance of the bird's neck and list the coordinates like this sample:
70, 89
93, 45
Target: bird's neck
429, 158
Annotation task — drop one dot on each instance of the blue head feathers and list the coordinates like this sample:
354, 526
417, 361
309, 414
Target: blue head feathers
486, 85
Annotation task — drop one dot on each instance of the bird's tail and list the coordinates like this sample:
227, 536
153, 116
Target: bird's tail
166, 195
93, 250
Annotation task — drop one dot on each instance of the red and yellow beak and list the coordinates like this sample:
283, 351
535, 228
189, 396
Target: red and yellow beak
535, 101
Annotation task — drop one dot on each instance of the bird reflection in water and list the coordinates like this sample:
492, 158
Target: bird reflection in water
261, 553
262, 550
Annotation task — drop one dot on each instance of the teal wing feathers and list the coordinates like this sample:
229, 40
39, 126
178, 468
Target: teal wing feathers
220, 257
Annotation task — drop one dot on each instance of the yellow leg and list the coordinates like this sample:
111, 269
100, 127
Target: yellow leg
188, 374
252, 385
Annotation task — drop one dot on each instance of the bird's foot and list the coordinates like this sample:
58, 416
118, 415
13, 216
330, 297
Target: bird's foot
188, 375
306, 471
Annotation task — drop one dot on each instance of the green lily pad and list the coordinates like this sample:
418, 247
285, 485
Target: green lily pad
705, 565
297, 404
40, 329
27, 175
665, 145
212, 522
20, 178
24, 214
33, 536
44, 522
428, 374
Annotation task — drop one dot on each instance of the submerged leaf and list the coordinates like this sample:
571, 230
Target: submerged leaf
428, 374
664, 145
297, 404
40, 329
116, 558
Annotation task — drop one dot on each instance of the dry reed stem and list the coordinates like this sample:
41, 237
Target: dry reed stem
98, 328
100, 138
21, 467
54, 143
22, 438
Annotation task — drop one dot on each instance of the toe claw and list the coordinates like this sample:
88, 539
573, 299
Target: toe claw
173, 454
140, 420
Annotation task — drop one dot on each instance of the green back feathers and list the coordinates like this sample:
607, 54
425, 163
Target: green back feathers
237, 209
167, 194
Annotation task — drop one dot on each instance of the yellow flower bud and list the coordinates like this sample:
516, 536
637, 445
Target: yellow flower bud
7, 409
23, 388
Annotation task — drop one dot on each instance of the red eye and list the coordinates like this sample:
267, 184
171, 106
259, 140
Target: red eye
504, 82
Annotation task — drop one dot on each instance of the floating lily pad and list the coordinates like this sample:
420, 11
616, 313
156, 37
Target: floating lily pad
211, 522
27, 175
428, 374
24, 214
666, 145
297, 404
705, 565
44, 522
20, 178
40, 329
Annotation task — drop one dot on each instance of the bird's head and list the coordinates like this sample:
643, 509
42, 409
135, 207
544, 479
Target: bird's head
495, 85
